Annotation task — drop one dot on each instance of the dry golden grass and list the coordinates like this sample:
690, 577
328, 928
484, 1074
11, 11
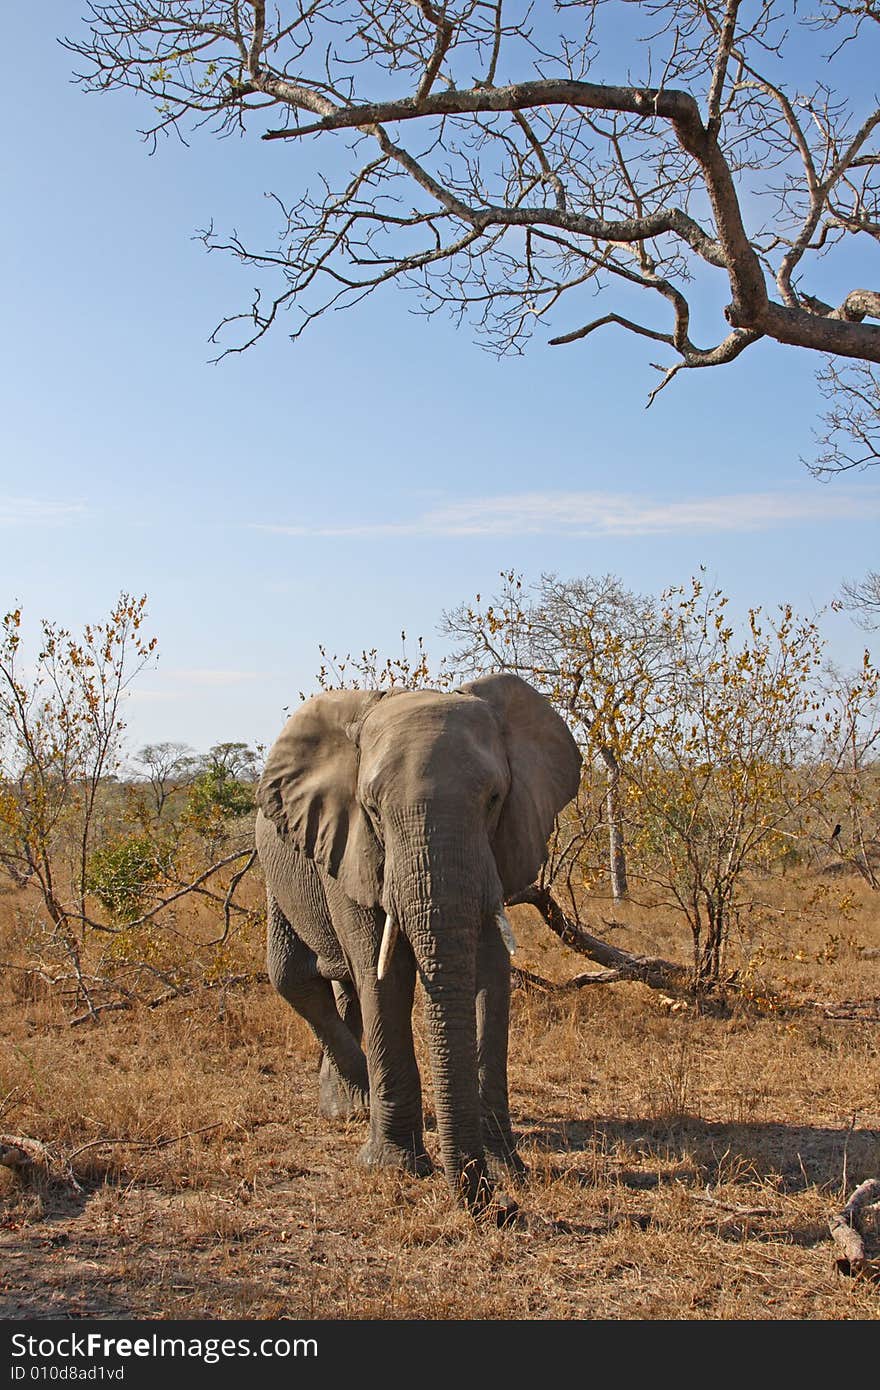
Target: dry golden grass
682, 1165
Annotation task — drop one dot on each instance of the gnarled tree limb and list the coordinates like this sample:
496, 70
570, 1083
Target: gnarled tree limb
649, 970
719, 163
847, 1232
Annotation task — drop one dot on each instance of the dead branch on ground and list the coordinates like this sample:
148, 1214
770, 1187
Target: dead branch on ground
30, 1158
619, 964
847, 1232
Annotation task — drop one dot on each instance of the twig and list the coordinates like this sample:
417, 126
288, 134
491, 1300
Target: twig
170, 994
10, 1096
537, 982
173, 897
230, 893
143, 1143
843, 1181
526, 980
732, 1207
98, 1009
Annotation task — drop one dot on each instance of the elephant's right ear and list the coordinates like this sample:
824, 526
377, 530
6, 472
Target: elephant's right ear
309, 790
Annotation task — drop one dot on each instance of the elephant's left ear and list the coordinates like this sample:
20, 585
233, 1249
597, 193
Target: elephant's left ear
545, 769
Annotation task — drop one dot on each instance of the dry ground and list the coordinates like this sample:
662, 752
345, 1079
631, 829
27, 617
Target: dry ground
682, 1165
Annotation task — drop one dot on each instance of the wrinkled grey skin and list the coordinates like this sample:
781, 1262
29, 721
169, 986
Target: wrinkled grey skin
431, 808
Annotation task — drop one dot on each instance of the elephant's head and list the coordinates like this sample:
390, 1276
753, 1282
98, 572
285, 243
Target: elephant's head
433, 807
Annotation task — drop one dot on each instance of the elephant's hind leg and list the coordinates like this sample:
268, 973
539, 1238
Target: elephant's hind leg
343, 1087
335, 1099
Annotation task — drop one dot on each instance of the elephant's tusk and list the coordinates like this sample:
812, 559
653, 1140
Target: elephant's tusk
502, 922
389, 937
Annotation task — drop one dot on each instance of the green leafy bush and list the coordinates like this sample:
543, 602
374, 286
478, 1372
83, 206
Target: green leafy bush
120, 874
218, 796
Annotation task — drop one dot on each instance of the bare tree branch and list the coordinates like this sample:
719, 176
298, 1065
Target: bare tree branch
862, 597
850, 437
502, 197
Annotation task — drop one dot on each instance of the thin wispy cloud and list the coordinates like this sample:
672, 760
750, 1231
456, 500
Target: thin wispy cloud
37, 511
177, 682
611, 514
208, 676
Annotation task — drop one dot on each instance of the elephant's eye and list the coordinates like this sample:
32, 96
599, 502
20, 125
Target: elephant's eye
494, 800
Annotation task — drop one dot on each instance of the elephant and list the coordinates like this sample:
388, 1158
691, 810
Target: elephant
391, 827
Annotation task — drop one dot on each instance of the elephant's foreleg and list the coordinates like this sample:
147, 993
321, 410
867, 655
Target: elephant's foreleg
396, 1139
293, 970
493, 1024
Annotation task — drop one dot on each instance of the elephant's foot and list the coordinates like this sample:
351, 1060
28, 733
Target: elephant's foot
474, 1187
339, 1099
383, 1153
503, 1212
472, 1184
505, 1166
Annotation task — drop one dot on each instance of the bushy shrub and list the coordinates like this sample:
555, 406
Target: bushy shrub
217, 796
121, 873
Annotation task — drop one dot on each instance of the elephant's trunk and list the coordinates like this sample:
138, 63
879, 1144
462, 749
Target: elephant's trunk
392, 931
446, 956
444, 931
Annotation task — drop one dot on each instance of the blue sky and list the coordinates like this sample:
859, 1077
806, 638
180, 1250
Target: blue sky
355, 483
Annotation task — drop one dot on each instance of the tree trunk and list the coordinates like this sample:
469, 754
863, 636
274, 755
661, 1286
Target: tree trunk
617, 851
709, 968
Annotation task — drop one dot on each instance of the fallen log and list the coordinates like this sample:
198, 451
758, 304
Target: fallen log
847, 1230
853, 1010
620, 964
14, 1157
32, 1159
